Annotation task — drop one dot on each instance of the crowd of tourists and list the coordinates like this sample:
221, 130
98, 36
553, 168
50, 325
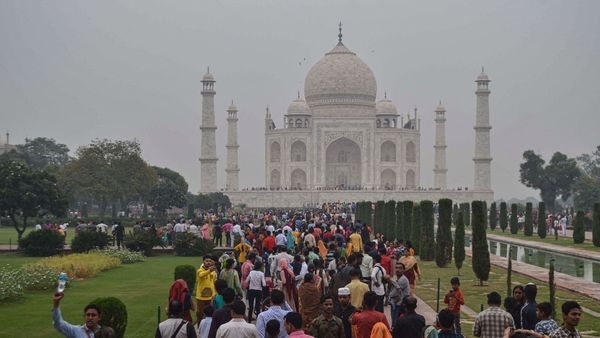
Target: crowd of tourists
321, 273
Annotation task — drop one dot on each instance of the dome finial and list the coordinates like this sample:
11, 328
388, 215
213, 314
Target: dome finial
340, 34
385, 94
298, 94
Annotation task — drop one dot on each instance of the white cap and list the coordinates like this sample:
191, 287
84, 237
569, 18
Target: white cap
343, 292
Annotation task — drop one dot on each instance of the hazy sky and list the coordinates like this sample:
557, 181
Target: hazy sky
80, 70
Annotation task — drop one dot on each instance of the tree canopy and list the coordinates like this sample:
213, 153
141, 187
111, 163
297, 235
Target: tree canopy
587, 187
26, 193
42, 152
555, 179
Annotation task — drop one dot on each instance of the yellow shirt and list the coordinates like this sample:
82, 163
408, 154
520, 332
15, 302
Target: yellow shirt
357, 244
357, 292
205, 279
243, 249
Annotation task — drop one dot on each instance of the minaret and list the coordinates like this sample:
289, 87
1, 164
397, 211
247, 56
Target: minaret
208, 153
482, 158
439, 170
268, 120
232, 183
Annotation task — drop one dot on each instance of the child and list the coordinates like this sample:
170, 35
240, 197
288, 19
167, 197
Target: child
205, 323
220, 285
455, 298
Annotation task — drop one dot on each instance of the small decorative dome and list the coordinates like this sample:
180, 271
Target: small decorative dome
232, 107
340, 78
386, 107
440, 108
483, 76
208, 77
298, 107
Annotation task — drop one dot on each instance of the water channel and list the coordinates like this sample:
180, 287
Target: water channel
578, 267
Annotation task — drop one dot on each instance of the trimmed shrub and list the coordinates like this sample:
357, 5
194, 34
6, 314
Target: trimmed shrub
416, 228
142, 241
400, 228
467, 214
87, 240
114, 314
368, 213
379, 216
579, 228
596, 225
124, 255
459, 242
542, 220
455, 212
389, 229
503, 216
187, 273
79, 265
493, 216
186, 244
480, 254
528, 228
407, 222
427, 246
42, 243
514, 225
443, 240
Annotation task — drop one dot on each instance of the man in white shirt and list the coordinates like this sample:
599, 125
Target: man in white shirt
377, 277
280, 239
102, 227
237, 326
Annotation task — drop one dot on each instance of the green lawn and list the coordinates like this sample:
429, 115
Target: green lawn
8, 234
142, 287
475, 295
562, 241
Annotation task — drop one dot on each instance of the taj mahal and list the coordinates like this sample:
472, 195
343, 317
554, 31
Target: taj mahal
339, 143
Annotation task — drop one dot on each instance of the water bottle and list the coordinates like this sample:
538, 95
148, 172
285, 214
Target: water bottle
62, 282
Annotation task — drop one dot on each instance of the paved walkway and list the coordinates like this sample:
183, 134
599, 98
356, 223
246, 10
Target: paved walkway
563, 281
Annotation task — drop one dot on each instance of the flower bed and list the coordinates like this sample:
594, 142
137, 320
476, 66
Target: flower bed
79, 266
126, 256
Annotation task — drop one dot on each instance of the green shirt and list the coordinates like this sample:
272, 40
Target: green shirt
327, 328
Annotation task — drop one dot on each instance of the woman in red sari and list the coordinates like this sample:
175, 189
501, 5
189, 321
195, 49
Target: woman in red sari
287, 282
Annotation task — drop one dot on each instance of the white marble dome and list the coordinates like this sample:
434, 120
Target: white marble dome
340, 78
298, 107
386, 107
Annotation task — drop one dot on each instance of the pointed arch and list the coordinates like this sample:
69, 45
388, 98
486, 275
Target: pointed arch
298, 179
298, 151
275, 152
275, 179
388, 179
410, 179
388, 151
411, 152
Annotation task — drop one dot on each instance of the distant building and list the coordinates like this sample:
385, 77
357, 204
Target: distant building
5, 145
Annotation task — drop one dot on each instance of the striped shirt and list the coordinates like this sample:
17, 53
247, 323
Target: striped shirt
492, 322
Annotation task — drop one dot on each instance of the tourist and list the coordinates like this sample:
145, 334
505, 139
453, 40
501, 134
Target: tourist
528, 311
227, 232
205, 323
91, 313
412, 271
179, 291
222, 315
247, 266
327, 325
218, 302
378, 276
411, 324
399, 291
293, 325
309, 239
493, 321
256, 282
571, 315
366, 318
287, 282
275, 312
519, 302
365, 263
357, 288
231, 277
309, 299
175, 325
344, 310
205, 285
237, 326
218, 234
545, 325
446, 323
455, 298
356, 242
273, 328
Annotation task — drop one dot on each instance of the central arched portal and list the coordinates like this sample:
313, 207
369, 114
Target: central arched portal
343, 164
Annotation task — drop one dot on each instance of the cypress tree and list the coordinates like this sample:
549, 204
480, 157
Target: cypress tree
596, 225
466, 209
459, 242
400, 221
427, 246
408, 220
379, 216
416, 229
579, 228
528, 219
358, 212
443, 239
542, 220
514, 226
368, 213
552, 288
390, 219
480, 254
493, 216
503, 216
455, 213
